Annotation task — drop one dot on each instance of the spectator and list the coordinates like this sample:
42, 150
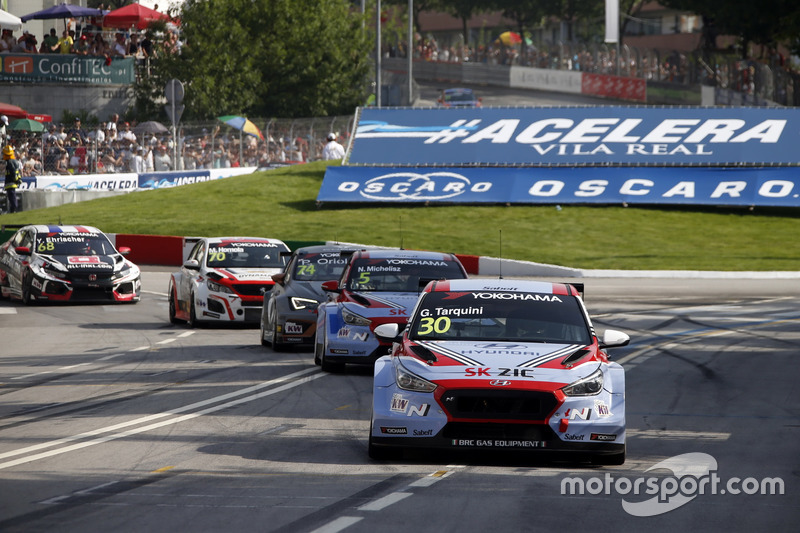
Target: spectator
62, 164
99, 46
3, 130
120, 47
7, 42
135, 48
111, 163
65, 43
127, 134
13, 177
138, 162
162, 160
82, 46
332, 150
111, 127
78, 132
50, 42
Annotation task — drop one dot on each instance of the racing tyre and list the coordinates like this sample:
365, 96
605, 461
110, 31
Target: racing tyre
193, 322
277, 346
172, 311
318, 353
264, 341
610, 460
27, 283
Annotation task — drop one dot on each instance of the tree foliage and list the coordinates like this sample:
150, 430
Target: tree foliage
271, 58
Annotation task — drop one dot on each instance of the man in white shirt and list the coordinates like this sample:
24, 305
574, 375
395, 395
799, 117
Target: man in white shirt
332, 150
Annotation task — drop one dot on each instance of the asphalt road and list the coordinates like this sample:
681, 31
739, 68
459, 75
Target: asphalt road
111, 419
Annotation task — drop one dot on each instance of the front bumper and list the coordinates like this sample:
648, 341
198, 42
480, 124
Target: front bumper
127, 289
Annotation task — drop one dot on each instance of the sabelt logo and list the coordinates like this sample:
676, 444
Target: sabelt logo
415, 186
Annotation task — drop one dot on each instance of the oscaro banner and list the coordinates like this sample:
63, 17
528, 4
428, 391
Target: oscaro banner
762, 186
570, 136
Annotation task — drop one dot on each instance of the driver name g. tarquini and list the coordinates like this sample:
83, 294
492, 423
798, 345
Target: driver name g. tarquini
376, 287
489, 364
224, 279
66, 263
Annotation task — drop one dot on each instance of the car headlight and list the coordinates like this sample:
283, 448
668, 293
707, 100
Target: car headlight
216, 287
588, 386
122, 273
50, 271
411, 382
302, 303
353, 319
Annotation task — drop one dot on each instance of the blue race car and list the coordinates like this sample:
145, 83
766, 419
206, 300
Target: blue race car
494, 364
377, 287
459, 97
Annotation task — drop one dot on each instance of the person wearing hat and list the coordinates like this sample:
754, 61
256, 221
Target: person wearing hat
3, 129
332, 150
81, 46
13, 177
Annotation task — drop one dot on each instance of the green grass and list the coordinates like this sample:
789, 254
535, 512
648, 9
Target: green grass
282, 203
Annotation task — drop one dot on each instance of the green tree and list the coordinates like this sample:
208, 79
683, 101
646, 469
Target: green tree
276, 58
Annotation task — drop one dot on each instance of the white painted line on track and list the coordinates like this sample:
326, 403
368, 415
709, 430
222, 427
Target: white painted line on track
33, 375
155, 293
58, 499
140, 349
167, 341
300, 378
386, 501
185, 334
8, 310
339, 524
73, 366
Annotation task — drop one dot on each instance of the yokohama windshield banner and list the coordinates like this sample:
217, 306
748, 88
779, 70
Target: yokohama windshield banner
591, 185
577, 136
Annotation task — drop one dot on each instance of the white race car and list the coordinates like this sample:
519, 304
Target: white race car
494, 364
225, 279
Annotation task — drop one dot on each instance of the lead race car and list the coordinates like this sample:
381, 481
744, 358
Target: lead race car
224, 280
489, 364
377, 287
66, 264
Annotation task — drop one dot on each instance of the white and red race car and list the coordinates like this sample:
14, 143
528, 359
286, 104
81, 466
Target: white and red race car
66, 264
497, 364
224, 279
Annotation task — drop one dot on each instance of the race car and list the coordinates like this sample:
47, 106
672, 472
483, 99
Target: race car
495, 364
224, 280
377, 287
459, 97
66, 263
289, 313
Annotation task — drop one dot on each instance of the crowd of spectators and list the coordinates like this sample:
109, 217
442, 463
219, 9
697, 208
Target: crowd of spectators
116, 146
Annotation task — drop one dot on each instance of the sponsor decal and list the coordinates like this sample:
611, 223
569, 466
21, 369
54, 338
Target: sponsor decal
293, 329
36, 284
494, 443
572, 436
343, 333
499, 383
505, 372
605, 437
423, 433
516, 296
602, 409
422, 410
339, 351
84, 259
582, 414
399, 404
440, 311
395, 430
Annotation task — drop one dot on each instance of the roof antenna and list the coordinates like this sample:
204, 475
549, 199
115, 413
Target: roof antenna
500, 268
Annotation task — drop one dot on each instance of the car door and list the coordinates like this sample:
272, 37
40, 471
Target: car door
189, 276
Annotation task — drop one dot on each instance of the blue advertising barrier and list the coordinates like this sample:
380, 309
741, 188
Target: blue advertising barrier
576, 136
762, 186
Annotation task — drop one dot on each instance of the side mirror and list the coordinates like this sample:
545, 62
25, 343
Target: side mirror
331, 286
613, 338
280, 279
388, 333
124, 250
192, 264
22, 250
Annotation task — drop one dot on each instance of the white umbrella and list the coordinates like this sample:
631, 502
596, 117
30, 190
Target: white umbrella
9, 21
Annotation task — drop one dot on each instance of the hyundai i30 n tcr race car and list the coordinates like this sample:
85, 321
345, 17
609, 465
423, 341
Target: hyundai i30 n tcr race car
289, 314
489, 364
376, 287
66, 263
224, 279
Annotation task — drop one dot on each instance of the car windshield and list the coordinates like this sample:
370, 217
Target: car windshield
399, 274
74, 243
459, 96
321, 266
245, 255
500, 316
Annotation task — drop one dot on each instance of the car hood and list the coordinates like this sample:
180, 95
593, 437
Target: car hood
458, 361
371, 304
306, 289
247, 274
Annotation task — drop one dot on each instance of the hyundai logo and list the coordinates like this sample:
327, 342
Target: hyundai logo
499, 383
